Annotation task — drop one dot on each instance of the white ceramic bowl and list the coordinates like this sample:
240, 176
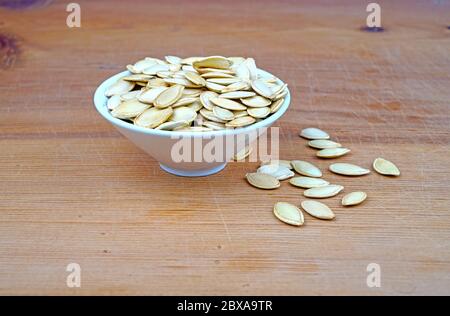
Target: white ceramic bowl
159, 143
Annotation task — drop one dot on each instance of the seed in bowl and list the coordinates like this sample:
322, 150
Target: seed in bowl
195, 94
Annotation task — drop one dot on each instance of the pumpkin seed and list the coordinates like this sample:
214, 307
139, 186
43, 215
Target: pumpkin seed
260, 87
195, 78
258, 112
288, 213
332, 152
184, 101
314, 133
308, 183
152, 70
222, 113
277, 171
171, 125
276, 105
169, 96
153, 117
241, 121
138, 77
130, 95
182, 82
317, 209
224, 81
183, 113
196, 106
216, 74
240, 85
120, 87
214, 125
217, 62
305, 168
323, 192
256, 102
150, 95
284, 163
323, 144
113, 102
348, 169
209, 115
237, 94
228, 104
174, 60
354, 198
205, 99
262, 181
129, 109
385, 167
215, 87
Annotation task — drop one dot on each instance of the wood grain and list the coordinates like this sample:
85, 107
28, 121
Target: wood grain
74, 190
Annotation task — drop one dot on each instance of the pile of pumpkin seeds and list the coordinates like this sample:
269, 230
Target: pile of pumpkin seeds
195, 94
270, 173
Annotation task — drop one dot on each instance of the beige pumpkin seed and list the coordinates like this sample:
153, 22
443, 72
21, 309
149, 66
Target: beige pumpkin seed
323, 144
196, 106
385, 167
260, 87
205, 99
243, 153
314, 133
308, 183
153, 117
195, 78
215, 87
348, 169
169, 126
183, 113
207, 70
305, 168
150, 95
156, 82
262, 181
252, 69
277, 171
241, 121
184, 101
224, 81
228, 104
332, 152
214, 125
237, 95
354, 198
169, 96
182, 82
288, 213
209, 115
154, 69
256, 102
216, 74
280, 95
113, 102
276, 105
190, 92
217, 62
243, 72
130, 95
317, 209
241, 85
191, 60
119, 87
239, 113
138, 77
222, 113
129, 109
284, 163
174, 60
139, 66
323, 192
258, 112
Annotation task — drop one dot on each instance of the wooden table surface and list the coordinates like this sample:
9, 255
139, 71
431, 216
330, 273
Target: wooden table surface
72, 189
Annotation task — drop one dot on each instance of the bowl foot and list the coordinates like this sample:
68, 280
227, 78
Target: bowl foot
193, 173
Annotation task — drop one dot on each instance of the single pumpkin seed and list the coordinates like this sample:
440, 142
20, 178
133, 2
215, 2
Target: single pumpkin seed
323, 144
223, 81
354, 198
228, 104
288, 213
385, 167
258, 112
314, 133
305, 168
277, 171
183, 113
169, 96
209, 115
260, 87
169, 126
215, 87
243, 153
308, 183
241, 121
276, 105
214, 125
152, 70
195, 78
284, 163
348, 169
241, 85
216, 74
256, 102
174, 60
237, 95
317, 209
223, 114
150, 95
262, 181
129, 109
119, 87
130, 95
184, 101
205, 99
153, 117
113, 102
332, 152
217, 62
323, 192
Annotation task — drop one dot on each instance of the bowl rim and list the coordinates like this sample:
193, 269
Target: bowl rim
100, 103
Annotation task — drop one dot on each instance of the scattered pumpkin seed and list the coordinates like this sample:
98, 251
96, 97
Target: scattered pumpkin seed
354, 198
323, 192
348, 169
323, 144
385, 167
314, 133
288, 213
262, 181
305, 168
332, 152
307, 182
317, 209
